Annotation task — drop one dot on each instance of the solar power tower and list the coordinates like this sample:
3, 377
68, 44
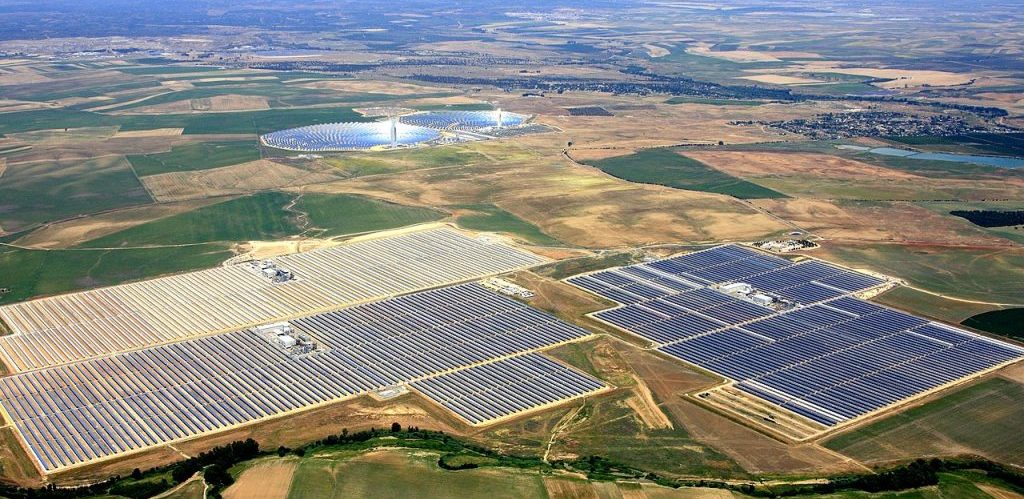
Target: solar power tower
499, 117
394, 131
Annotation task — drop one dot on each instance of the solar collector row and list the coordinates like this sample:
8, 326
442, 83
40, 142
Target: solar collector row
822, 359
684, 315
507, 387
831, 366
77, 326
96, 408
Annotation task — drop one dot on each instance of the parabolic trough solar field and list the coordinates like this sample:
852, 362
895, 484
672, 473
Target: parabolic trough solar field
118, 380
791, 334
116, 371
573, 250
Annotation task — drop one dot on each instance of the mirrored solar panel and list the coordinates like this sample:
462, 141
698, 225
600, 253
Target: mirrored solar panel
487, 393
205, 384
831, 358
347, 136
463, 120
809, 293
855, 306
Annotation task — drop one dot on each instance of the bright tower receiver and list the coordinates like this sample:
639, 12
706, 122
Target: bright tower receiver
499, 117
394, 131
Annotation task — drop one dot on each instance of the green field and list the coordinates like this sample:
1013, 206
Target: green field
929, 305
988, 275
34, 193
1002, 144
400, 473
702, 67
201, 156
31, 273
488, 217
1008, 322
166, 70
666, 167
337, 214
202, 123
1013, 233
256, 217
264, 216
278, 95
983, 419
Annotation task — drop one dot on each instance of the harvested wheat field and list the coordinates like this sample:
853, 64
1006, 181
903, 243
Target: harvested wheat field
374, 87
264, 480
236, 179
79, 230
217, 103
577, 205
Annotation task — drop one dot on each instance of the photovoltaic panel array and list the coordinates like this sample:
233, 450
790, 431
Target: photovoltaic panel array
99, 408
505, 388
831, 358
77, 326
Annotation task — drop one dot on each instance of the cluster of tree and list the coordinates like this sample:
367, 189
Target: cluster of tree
991, 218
215, 465
216, 462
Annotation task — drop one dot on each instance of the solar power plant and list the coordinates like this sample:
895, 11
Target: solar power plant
99, 408
830, 358
347, 136
489, 392
56, 330
831, 364
804, 283
463, 120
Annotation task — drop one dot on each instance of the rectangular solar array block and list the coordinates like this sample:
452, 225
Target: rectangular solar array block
831, 365
93, 409
77, 326
508, 387
831, 358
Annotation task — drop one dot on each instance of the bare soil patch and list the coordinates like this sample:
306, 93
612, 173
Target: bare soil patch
670, 380
270, 479
578, 205
229, 180
73, 232
758, 164
704, 49
374, 87
217, 103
